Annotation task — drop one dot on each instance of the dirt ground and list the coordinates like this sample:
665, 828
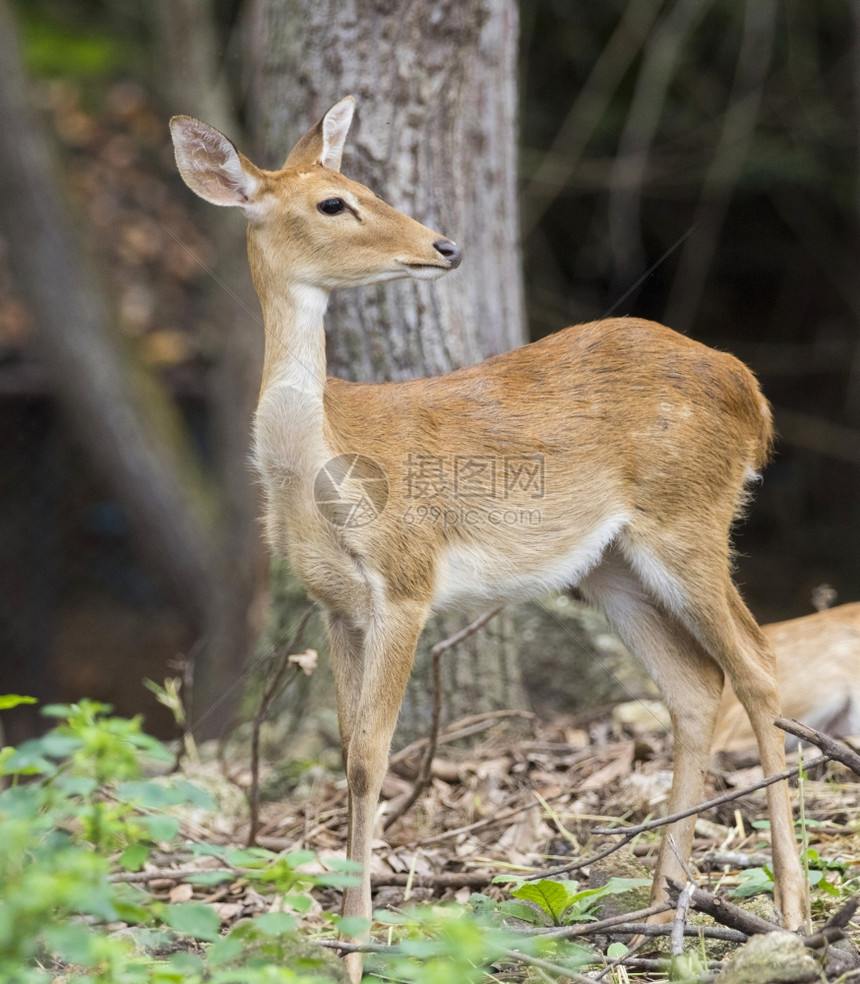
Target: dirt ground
526, 799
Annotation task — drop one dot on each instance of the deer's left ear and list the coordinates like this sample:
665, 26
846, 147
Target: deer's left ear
323, 143
211, 166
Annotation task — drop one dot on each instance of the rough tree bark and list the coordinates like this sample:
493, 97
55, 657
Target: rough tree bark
435, 82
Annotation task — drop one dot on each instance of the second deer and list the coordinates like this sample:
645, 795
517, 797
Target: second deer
613, 456
818, 670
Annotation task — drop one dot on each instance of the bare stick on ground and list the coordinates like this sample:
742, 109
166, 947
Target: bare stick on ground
725, 912
628, 833
272, 689
830, 747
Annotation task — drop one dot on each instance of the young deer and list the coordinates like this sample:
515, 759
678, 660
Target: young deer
612, 456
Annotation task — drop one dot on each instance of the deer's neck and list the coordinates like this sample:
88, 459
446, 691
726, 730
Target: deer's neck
295, 340
289, 426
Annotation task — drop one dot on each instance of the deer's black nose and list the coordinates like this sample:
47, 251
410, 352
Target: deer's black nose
451, 251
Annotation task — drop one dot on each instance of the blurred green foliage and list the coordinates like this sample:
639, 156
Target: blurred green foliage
76, 40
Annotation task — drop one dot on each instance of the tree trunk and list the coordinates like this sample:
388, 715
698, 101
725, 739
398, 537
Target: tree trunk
435, 135
121, 415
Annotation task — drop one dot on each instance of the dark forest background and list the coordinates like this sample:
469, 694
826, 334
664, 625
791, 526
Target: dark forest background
695, 162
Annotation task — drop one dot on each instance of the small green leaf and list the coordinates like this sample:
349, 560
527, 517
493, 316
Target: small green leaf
227, 948
248, 857
354, 926
131, 913
133, 856
554, 897
275, 923
147, 794
186, 963
207, 850
616, 950
160, 828
194, 919
76, 785
300, 903
8, 701
194, 795
753, 882
335, 864
533, 913
828, 888
210, 877
336, 879
72, 941
59, 746
28, 760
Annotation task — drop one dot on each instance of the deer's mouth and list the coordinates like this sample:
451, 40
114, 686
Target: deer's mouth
425, 271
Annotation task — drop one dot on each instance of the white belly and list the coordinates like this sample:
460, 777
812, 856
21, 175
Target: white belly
471, 574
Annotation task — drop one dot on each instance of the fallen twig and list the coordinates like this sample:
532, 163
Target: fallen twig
269, 694
834, 928
462, 728
733, 859
725, 912
665, 966
445, 879
168, 874
679, 922
732, 794
562, 972
628, 833
610, 922
668, 929
830, 747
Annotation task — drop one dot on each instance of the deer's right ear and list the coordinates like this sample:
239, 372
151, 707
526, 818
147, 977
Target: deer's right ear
323, 143
210, 165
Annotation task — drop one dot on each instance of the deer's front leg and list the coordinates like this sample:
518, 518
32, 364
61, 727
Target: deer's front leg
372, 667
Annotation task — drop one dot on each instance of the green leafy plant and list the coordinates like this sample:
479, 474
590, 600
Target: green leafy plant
439, 944
88, 805
553, 902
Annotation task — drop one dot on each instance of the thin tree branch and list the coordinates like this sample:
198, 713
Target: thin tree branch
269, 693
563, 156
628, 833
830, 747
725, 912
730, 155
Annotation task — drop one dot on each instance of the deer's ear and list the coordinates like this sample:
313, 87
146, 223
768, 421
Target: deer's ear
210, 165
323, 143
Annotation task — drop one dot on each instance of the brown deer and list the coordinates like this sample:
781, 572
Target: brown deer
818, 671
613, 456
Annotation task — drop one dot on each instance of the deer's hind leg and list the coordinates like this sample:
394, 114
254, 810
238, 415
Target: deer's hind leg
692, 580
691, 684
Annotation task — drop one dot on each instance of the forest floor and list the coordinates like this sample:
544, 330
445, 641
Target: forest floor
526, 800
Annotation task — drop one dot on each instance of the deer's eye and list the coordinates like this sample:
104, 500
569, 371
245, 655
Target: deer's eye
331, 206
